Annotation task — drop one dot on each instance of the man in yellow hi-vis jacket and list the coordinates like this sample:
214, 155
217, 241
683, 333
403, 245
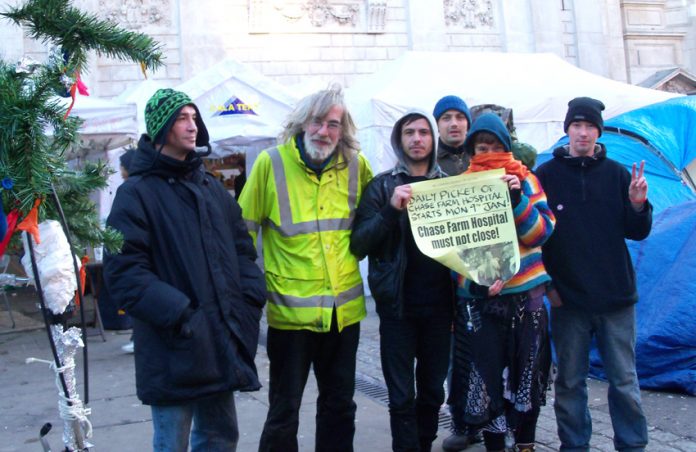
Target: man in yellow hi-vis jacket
302, 195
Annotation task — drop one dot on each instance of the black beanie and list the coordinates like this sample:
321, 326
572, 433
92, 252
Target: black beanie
584, 109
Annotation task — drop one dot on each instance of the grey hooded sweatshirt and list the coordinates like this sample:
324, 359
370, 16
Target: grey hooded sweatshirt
383, 233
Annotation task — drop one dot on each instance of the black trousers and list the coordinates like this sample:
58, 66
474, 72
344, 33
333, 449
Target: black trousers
415, 395
332, 355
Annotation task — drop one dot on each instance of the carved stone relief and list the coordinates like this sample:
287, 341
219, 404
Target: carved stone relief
317, 16
137, 14
471, 14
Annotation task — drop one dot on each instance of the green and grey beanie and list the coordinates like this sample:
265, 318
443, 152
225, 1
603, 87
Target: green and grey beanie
161, 111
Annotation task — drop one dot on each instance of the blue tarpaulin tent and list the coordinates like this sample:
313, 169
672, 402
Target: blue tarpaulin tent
665, 265
664, 135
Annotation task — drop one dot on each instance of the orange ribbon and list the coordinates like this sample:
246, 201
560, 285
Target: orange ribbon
30, 223
77, 87
83, 279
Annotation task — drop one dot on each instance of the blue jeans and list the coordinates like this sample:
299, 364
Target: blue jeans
214, 425
615, 333
415, 398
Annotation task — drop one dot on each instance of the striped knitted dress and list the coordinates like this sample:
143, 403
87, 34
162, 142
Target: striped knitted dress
501, 350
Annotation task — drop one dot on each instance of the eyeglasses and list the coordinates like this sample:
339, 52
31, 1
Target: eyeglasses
317, 123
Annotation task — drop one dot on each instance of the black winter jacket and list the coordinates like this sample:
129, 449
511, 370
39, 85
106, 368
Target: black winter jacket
586, 255
187, 258
378, 232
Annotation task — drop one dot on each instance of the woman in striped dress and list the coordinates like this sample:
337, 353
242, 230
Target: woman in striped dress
501, 354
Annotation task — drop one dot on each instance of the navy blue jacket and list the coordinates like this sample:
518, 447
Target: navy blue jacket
586, 255
187, 260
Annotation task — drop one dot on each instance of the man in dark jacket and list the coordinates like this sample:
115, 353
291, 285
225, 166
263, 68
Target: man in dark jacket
413, 293
186, 274
597, 205
453, 122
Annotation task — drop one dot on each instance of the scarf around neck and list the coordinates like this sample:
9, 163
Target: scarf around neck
495, 160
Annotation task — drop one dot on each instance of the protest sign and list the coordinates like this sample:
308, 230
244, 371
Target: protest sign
466, 223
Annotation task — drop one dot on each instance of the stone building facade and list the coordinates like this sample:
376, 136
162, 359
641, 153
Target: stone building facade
296, 41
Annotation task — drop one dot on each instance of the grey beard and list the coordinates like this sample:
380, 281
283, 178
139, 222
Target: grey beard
315, 154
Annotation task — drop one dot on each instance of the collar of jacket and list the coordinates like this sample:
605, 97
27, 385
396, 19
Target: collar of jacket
337, 160
318, 169
444, 149
434, 173
562, 153
148, 161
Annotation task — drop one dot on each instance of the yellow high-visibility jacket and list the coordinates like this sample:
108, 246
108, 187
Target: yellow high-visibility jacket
305, 224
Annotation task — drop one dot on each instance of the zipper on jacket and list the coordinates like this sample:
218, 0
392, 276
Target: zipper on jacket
583, 187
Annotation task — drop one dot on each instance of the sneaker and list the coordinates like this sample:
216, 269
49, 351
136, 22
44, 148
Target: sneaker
459, 441
455, 442
129, 347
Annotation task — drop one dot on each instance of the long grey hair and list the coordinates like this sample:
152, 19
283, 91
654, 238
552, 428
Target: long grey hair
317, 105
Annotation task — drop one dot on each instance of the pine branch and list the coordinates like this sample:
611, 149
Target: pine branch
57, 22
73, 189
34, 132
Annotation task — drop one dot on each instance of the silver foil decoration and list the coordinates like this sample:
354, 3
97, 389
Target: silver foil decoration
26, 65
76, 425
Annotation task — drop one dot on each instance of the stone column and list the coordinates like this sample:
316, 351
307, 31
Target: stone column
426, 25
547, 26
599, 33
517, 25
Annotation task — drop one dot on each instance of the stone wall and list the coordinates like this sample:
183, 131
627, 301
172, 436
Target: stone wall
655, 32
310, 43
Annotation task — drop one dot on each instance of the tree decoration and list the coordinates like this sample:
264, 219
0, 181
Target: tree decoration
35, 131
37, 185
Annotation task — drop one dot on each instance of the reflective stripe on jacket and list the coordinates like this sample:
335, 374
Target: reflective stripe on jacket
305, 223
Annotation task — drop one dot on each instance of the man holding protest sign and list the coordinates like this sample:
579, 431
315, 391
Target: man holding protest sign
598, 205
413, 293
501, 354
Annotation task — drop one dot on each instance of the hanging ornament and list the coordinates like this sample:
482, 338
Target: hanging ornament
55, 265
11, 228
30, 223
26, 65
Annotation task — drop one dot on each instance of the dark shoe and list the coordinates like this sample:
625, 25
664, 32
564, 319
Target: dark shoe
459, 441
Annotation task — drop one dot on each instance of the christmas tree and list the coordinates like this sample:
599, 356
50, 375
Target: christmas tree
36, 129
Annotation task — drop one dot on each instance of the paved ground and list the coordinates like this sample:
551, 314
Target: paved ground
121, 423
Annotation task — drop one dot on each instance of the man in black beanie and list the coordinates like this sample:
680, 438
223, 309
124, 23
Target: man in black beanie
597, 205
186, 275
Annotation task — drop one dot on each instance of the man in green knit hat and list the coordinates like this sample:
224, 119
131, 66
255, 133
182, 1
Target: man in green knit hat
187, 277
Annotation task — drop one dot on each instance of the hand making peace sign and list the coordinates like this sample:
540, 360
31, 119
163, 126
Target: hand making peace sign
638, 189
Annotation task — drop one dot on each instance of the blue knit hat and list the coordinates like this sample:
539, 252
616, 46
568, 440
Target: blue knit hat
451, 103
491, 123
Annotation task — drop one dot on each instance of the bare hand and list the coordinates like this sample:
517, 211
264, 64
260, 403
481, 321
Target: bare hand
495, 288
554, 297
512, 181
638, 189
401, 197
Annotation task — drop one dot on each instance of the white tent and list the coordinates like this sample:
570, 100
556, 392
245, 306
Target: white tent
242, 109
107, 124
139, 94
536, 86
